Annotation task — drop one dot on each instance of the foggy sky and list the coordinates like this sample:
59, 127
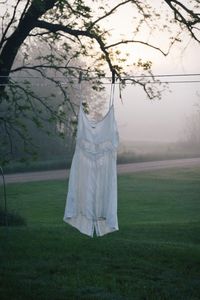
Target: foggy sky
139, 118
161, 120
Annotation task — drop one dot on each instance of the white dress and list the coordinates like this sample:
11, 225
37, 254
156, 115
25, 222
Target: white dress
92, 193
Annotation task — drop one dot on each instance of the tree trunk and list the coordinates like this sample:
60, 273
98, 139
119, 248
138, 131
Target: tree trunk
12, 45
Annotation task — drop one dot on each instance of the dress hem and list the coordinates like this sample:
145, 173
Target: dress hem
89, 227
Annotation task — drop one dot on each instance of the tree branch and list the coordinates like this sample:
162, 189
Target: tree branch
24, 10
39, 67
10, 49
75, 32
189, 24
107, 14
136, 42
9, 24
75, 12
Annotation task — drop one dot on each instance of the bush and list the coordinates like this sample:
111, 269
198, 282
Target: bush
11, 219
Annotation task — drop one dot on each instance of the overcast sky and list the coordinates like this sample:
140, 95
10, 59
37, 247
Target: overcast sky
142, 119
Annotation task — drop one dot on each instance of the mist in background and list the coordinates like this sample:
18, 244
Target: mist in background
165, 128
140, 119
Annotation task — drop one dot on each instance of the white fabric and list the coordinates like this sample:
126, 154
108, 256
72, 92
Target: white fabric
92, 193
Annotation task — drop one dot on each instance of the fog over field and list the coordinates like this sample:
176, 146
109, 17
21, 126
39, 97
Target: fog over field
166, 120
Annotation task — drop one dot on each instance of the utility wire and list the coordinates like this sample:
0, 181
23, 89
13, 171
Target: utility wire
131, 78
162, 75
127, 83
109, 77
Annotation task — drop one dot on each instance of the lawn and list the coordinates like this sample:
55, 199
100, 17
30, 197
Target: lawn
155, 255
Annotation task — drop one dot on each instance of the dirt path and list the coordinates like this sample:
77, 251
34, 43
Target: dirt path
121, 169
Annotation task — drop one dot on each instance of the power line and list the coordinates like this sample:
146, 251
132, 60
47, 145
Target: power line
128, 83
177, 81
163, 75
126, 79
109, 77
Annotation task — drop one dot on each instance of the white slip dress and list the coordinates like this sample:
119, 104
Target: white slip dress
91, 203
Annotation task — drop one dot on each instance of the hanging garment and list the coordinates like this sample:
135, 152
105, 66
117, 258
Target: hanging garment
92, 193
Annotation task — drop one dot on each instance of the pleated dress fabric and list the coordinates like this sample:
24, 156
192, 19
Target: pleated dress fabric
91, 204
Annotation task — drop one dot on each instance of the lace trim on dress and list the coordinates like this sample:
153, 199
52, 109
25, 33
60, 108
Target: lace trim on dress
92, 148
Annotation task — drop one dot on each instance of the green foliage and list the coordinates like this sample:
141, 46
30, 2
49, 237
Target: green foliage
144, 65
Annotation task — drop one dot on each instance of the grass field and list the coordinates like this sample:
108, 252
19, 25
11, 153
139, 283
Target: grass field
155, 254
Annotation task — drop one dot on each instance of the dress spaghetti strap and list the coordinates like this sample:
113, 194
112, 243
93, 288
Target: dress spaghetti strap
112, 92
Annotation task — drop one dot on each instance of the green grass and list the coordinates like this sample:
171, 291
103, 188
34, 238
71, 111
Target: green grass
155, 254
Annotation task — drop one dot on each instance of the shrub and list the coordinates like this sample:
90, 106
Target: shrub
11, 219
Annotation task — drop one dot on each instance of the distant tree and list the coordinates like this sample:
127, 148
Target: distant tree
192, 130
75, 27
43, 133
